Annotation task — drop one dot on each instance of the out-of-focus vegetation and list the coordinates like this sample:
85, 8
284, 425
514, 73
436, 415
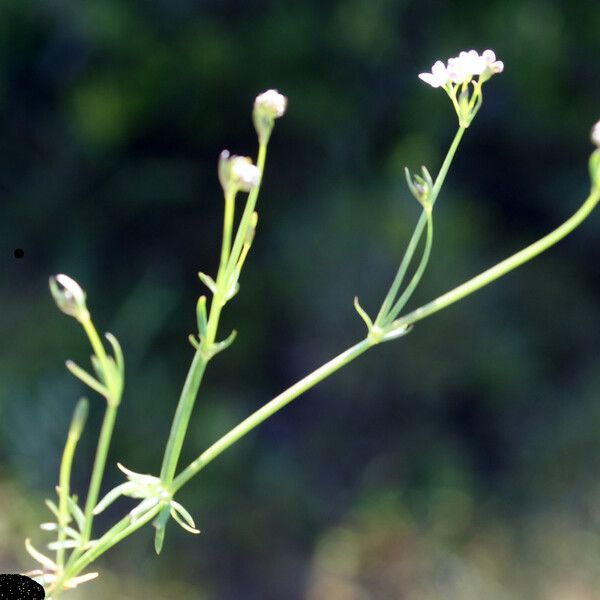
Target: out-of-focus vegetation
458, 462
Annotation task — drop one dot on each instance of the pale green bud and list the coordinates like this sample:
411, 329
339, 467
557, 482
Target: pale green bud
420, 187
79, 418
595, 135
69, 296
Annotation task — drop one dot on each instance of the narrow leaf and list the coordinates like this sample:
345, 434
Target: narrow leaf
220, 346
97, 368
76, 511
193, 341
363, 315
79, 417
111, 496
208, 281
142, 507
52, 507
232, 291
201, 315
160, 523
64, 545
139, 477
178, 508
78, 372
118, 353
41, 558
182, 523
75, 581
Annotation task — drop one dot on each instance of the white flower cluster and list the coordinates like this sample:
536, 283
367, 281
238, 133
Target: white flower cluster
244, 173
462, 68
268, 106
271, 102
238, 172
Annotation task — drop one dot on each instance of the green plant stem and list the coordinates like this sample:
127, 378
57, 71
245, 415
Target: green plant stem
410, 288
240, 236
112, 403
108, 424
416, 236
182, 416
193, 380
100, 353
503, 267
227, 227
263, 413
333, 365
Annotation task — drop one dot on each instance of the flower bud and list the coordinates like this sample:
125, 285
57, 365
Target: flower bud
69, 297
79, 417
595, 135
268, 106
594, 163
420, 187
237, 173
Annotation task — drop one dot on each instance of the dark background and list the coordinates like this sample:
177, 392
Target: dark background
459, 462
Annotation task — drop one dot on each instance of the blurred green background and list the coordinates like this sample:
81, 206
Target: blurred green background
459, 462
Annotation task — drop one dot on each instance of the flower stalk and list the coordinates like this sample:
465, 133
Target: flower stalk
237, 174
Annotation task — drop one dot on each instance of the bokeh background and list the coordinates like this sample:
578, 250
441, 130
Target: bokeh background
459, 462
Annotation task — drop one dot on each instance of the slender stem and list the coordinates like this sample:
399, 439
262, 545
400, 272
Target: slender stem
108, 424
100, 352
416, 236
410, 288
198, 366
333, 365
503, 267
227, 227
240, 236
263, 413
182, 416
230, 260
113, 400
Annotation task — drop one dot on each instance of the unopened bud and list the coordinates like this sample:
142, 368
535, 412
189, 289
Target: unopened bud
268, 106
595, 135
79, 418
594, 163
237, 173
69, 296
420, 187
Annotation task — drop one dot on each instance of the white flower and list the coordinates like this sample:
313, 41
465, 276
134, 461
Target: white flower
473, 62
495, 66
272, 103
458, 70
462, 68
596, 134
438, 76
